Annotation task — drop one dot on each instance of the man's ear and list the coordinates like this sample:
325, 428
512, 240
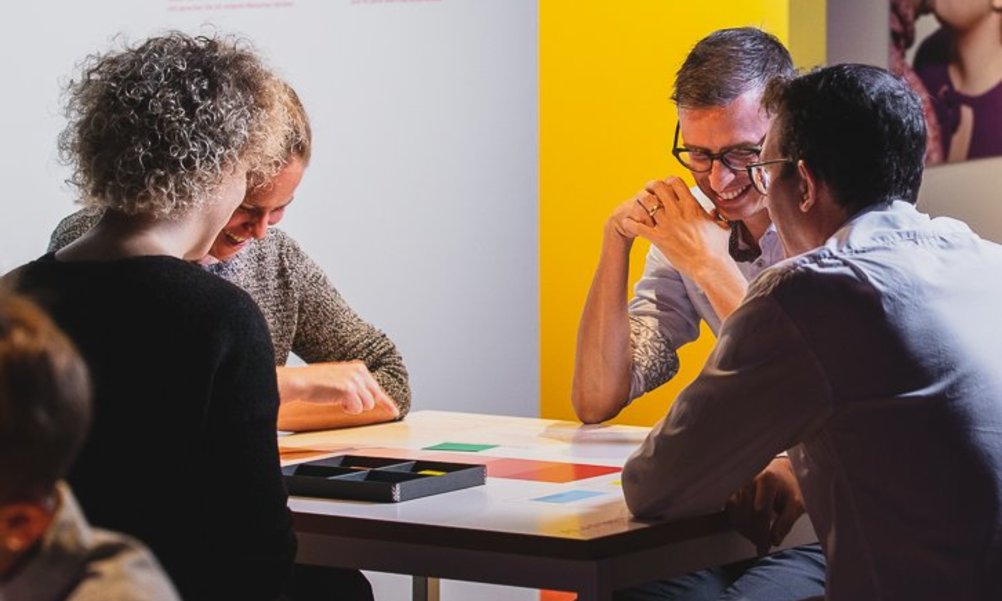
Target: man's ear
808, 187
22, 524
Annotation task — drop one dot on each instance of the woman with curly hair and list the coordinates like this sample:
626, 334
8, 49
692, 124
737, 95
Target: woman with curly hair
163, 137
350, 362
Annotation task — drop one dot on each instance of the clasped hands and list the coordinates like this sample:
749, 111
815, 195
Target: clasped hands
667, 214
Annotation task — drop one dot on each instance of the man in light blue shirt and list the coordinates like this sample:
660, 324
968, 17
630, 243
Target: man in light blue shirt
873, 353
701, 258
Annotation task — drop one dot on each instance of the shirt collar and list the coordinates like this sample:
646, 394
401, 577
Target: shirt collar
56, 564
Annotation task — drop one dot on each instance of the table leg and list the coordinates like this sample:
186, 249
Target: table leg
425, 589
596, 587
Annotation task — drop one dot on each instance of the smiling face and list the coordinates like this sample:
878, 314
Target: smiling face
226, 197
741, 123
261, 208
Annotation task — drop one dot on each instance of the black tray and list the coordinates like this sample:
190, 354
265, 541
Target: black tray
382, 479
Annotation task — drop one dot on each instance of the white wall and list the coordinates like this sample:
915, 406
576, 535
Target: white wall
421, 200
971, 190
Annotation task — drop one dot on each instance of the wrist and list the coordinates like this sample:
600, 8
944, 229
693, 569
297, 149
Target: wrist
711, 267
615, 239
291, 385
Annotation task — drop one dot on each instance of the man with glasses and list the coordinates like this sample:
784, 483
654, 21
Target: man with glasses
706, 245
873, 354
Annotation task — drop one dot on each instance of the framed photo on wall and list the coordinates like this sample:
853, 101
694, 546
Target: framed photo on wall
950, 51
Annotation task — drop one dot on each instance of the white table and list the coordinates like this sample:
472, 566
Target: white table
502, 533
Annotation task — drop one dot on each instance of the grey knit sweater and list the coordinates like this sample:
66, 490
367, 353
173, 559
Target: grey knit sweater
305, 313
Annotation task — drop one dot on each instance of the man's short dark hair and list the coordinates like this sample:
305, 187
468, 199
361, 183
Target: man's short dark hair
44, 401
858, 128
726, 64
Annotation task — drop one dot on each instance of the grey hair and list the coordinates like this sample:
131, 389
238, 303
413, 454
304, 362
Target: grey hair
726, 64
154, 128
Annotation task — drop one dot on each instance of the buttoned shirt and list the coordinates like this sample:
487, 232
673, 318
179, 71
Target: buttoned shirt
877, 360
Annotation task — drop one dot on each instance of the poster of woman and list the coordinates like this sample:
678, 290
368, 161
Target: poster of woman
951, 53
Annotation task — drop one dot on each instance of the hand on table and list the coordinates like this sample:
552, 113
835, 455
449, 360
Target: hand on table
765, 509
673, 220
348, 384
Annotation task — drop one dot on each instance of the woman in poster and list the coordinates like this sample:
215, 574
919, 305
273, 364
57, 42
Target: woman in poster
961, 67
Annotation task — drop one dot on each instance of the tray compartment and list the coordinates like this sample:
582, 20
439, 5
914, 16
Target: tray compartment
381, 479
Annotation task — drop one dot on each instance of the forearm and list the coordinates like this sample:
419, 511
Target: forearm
602, 362
316, 383
761, 391
299, 416
307, 383
293, 385
348, 387
723, 283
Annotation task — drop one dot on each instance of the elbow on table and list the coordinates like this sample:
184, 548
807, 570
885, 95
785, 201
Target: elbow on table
642, 508
593, 408
589, 415
644, 501
647, 506
652, 496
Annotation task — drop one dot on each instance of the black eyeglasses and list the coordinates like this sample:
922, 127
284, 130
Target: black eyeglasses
759, 175
736, 158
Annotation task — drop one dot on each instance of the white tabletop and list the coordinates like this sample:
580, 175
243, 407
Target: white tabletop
510, 530
504, 504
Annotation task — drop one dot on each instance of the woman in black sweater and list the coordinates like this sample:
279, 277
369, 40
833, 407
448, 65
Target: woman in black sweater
165, 136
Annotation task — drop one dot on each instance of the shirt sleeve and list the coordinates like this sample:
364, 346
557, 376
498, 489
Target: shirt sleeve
662, 319
761, 391
327, 329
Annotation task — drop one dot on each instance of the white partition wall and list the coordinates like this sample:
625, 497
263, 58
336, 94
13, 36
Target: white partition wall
421, 201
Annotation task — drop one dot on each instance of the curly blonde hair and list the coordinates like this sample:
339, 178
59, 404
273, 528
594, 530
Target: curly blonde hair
298, 142
154, 128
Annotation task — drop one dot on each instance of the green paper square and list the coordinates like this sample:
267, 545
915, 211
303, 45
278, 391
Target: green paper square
462, 447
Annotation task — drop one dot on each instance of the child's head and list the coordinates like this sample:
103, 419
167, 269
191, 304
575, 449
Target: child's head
44, 415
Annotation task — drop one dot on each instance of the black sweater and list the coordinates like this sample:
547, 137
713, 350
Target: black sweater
182, 453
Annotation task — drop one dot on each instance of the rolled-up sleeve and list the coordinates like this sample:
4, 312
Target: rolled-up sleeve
662, 319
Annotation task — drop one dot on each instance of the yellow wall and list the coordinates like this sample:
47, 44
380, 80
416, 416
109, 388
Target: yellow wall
606, 70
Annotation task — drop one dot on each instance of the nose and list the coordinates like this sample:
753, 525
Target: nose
720, 176
259, 227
